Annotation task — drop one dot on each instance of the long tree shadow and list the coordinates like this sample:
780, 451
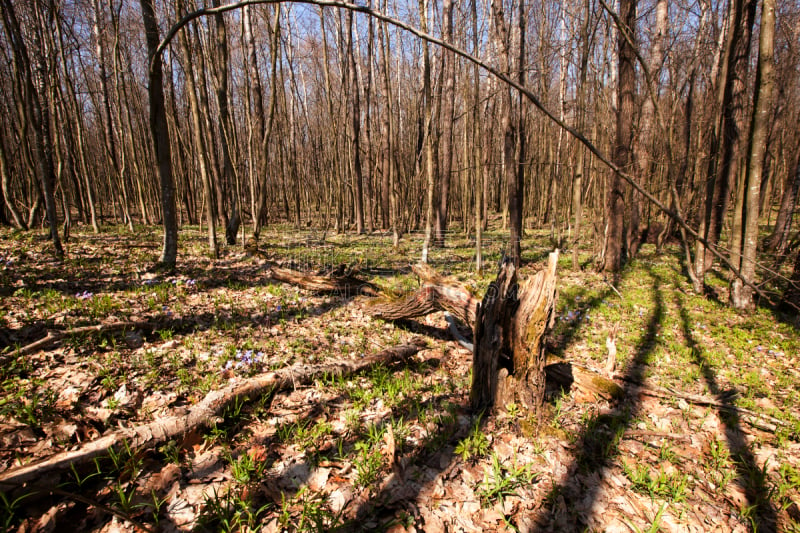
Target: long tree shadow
598, 444
749, 476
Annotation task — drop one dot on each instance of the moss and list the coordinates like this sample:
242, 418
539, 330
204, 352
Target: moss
608, 387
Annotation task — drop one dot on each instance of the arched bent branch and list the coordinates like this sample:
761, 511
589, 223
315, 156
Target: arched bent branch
488, 68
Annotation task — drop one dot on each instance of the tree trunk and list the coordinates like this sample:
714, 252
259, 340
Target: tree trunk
502, 44
447, 103
614, 253
267, 133
8, 197
36, 82
783, 223
428, 135
741, 293
227, 186
516, 185
436, 293
645, 145
160, 134
478, 177
354, 93
201, 152
725, 143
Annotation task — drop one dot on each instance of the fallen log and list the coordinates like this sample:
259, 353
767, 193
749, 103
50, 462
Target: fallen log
202, 414
346, 285
437, 293
53, 336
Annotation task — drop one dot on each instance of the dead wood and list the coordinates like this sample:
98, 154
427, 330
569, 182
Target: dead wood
532, 320
346, 285
491, 333
436, 293
202, 414
510, 328
54, 336
610, 389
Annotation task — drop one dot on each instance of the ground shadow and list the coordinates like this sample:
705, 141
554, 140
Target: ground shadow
749, 476
598, 444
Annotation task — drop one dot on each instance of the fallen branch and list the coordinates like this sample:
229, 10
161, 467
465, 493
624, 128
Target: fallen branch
345, 285
437, 293
201, 415
757, 420
54, 336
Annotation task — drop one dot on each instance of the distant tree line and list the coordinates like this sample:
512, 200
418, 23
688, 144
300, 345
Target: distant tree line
314, 115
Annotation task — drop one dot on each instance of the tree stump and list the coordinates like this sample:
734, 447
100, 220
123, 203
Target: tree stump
510, 326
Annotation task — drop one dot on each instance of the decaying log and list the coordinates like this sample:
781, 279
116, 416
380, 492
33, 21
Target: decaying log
54, 336
202, 414
344, 285
509, 331
437, 293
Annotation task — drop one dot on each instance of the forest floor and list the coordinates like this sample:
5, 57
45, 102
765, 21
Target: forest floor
702, 434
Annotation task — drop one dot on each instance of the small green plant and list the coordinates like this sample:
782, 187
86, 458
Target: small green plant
230, 512
512, 410
124, 498
368, 463
501, 481
102, 306
655, 527
314, 514
669, 486
246, 468
172, 452
9, 509
476, 444
126, 463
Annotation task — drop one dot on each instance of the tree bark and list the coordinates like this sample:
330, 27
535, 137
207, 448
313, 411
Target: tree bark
509, 330
200, 149
447, 103
36, 83
614, 253
354, 93
430, 178
783, 223
645, 145
8, 197
725, 143
227, 186
160, 134
741, 293
437, 293
267, 133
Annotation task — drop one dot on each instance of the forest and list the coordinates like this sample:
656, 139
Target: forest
312, 265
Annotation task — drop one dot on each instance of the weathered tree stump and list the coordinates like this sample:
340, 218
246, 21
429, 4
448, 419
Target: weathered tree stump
509, 331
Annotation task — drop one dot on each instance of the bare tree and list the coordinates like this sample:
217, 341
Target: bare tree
36, 84
613, 255
160, 134
746, 221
